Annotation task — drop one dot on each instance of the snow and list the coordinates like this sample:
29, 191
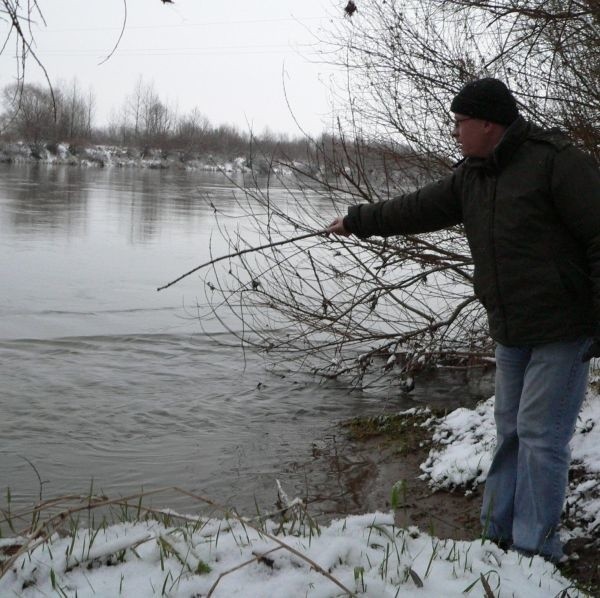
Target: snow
583, 499
585, 446
366, 554
466, 439
363, 555
127, 157
464, 445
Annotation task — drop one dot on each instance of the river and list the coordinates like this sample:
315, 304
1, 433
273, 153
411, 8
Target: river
104, 381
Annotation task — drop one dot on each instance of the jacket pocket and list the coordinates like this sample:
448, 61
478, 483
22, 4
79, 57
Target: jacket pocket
574, 281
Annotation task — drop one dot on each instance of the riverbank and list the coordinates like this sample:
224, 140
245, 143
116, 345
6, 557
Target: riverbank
106, 156
423, 470
443, 462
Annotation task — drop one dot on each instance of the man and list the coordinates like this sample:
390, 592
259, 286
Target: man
530, 205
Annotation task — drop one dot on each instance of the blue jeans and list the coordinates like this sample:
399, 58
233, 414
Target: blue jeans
539, 392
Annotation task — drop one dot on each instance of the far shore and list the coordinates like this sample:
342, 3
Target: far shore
106, 156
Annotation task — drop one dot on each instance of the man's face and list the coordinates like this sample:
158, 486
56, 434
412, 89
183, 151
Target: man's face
472, 135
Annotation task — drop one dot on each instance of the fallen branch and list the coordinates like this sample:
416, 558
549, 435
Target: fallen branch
242, 252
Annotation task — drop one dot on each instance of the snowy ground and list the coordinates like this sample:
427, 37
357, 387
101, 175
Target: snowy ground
364, 555
466, 440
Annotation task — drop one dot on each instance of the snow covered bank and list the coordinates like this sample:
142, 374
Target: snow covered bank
365, 555
124, 157
163, 553
465, 441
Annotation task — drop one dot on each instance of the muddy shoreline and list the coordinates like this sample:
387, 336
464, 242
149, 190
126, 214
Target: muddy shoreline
366, 458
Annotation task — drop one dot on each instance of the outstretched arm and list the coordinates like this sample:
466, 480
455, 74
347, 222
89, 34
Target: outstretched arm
433, 207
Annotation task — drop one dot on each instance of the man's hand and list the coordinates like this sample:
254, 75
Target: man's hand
593, 350
337, 228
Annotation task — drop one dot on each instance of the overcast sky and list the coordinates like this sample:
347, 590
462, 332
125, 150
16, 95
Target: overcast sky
230, 58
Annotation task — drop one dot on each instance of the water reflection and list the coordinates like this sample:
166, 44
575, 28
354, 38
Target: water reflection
42, 199
45, 199
139, 205
144, 204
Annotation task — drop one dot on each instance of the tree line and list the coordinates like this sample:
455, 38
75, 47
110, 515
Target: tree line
37, 114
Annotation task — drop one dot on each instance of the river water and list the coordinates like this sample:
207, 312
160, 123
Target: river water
106, 381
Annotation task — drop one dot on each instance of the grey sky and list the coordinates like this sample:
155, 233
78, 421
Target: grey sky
225, 57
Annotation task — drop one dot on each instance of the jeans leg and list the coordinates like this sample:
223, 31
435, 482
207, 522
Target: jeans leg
553, 391
498, 497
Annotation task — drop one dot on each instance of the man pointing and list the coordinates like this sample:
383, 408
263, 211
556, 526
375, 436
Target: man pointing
530, 205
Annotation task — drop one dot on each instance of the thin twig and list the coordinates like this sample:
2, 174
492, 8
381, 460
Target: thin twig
108, 56
242, 252
244, 564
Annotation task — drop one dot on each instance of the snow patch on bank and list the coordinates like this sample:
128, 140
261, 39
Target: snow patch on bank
583, 500
465, 441
464, 445
131, 157
367, 555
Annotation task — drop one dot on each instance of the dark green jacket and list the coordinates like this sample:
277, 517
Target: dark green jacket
531, 214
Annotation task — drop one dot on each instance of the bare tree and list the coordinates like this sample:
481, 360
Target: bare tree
405, 60
91, 107
133, 106
367, 308
76, 109
41, 116
19, 15
32, 116
146, 119
343, 308
157, 117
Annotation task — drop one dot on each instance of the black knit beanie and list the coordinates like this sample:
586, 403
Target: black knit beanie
488, 99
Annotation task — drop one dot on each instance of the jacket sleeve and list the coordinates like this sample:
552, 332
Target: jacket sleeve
576, 194
433, 207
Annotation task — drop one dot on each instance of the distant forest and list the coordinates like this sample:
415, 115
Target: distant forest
65, 114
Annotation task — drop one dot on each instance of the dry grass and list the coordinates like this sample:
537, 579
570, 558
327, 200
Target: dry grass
62, 516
